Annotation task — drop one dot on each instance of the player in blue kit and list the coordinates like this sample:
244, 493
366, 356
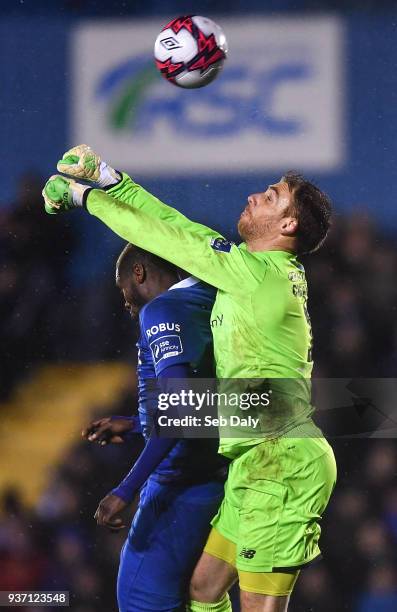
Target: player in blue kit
180, 480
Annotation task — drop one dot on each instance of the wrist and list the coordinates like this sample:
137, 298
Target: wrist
125, 494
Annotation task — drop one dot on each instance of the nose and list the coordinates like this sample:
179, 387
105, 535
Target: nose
251, 200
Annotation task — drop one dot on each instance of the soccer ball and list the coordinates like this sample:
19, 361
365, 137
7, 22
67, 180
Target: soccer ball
190, 51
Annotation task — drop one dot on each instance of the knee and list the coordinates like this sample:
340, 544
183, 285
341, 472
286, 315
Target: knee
204, 589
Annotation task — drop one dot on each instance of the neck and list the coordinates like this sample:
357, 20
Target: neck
161, 284
272, 244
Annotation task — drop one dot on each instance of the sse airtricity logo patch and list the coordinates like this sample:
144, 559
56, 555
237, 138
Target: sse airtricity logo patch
221, 244
166, 347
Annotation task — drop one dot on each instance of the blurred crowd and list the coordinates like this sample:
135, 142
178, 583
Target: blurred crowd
57, 546
353, 300
44, 316
32, 277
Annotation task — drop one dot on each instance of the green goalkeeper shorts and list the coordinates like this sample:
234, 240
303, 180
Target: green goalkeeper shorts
275, 495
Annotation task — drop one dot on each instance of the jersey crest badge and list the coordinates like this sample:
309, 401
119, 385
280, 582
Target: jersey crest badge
221, 244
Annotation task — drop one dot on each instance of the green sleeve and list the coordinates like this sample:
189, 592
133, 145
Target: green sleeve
137, 197
162, 230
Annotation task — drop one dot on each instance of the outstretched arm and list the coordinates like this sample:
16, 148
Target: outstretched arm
137, 197
165, 232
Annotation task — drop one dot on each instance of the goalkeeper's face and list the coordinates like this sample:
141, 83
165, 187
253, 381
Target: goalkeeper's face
268, 214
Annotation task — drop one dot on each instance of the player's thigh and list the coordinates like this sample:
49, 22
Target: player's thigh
132, 592
212, 578
270, 584
266, 591
166, 539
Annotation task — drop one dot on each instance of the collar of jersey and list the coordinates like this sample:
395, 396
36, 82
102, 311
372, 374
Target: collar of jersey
186, 282
288, 254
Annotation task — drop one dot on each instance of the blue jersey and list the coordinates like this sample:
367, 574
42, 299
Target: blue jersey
174, 330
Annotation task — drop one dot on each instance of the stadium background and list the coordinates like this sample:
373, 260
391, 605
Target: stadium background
67, 347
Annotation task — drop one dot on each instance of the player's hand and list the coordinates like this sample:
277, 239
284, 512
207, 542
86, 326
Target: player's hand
62, 194
81, 163
105, 514
108, 430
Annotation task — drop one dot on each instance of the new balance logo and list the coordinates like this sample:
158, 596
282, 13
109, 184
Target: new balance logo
248, 553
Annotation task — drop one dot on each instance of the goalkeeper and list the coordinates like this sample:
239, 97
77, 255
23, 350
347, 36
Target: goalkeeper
281, 476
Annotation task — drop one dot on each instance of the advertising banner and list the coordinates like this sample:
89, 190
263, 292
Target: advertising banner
278, 102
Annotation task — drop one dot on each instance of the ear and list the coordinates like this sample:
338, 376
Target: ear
139, 273
289, 226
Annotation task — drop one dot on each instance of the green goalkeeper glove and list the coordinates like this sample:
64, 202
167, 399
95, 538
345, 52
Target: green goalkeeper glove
62, 194
82, 163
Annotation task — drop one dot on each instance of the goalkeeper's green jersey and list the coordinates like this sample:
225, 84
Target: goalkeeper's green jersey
260, 324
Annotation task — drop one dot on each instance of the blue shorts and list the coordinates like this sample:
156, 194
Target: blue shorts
166, 539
